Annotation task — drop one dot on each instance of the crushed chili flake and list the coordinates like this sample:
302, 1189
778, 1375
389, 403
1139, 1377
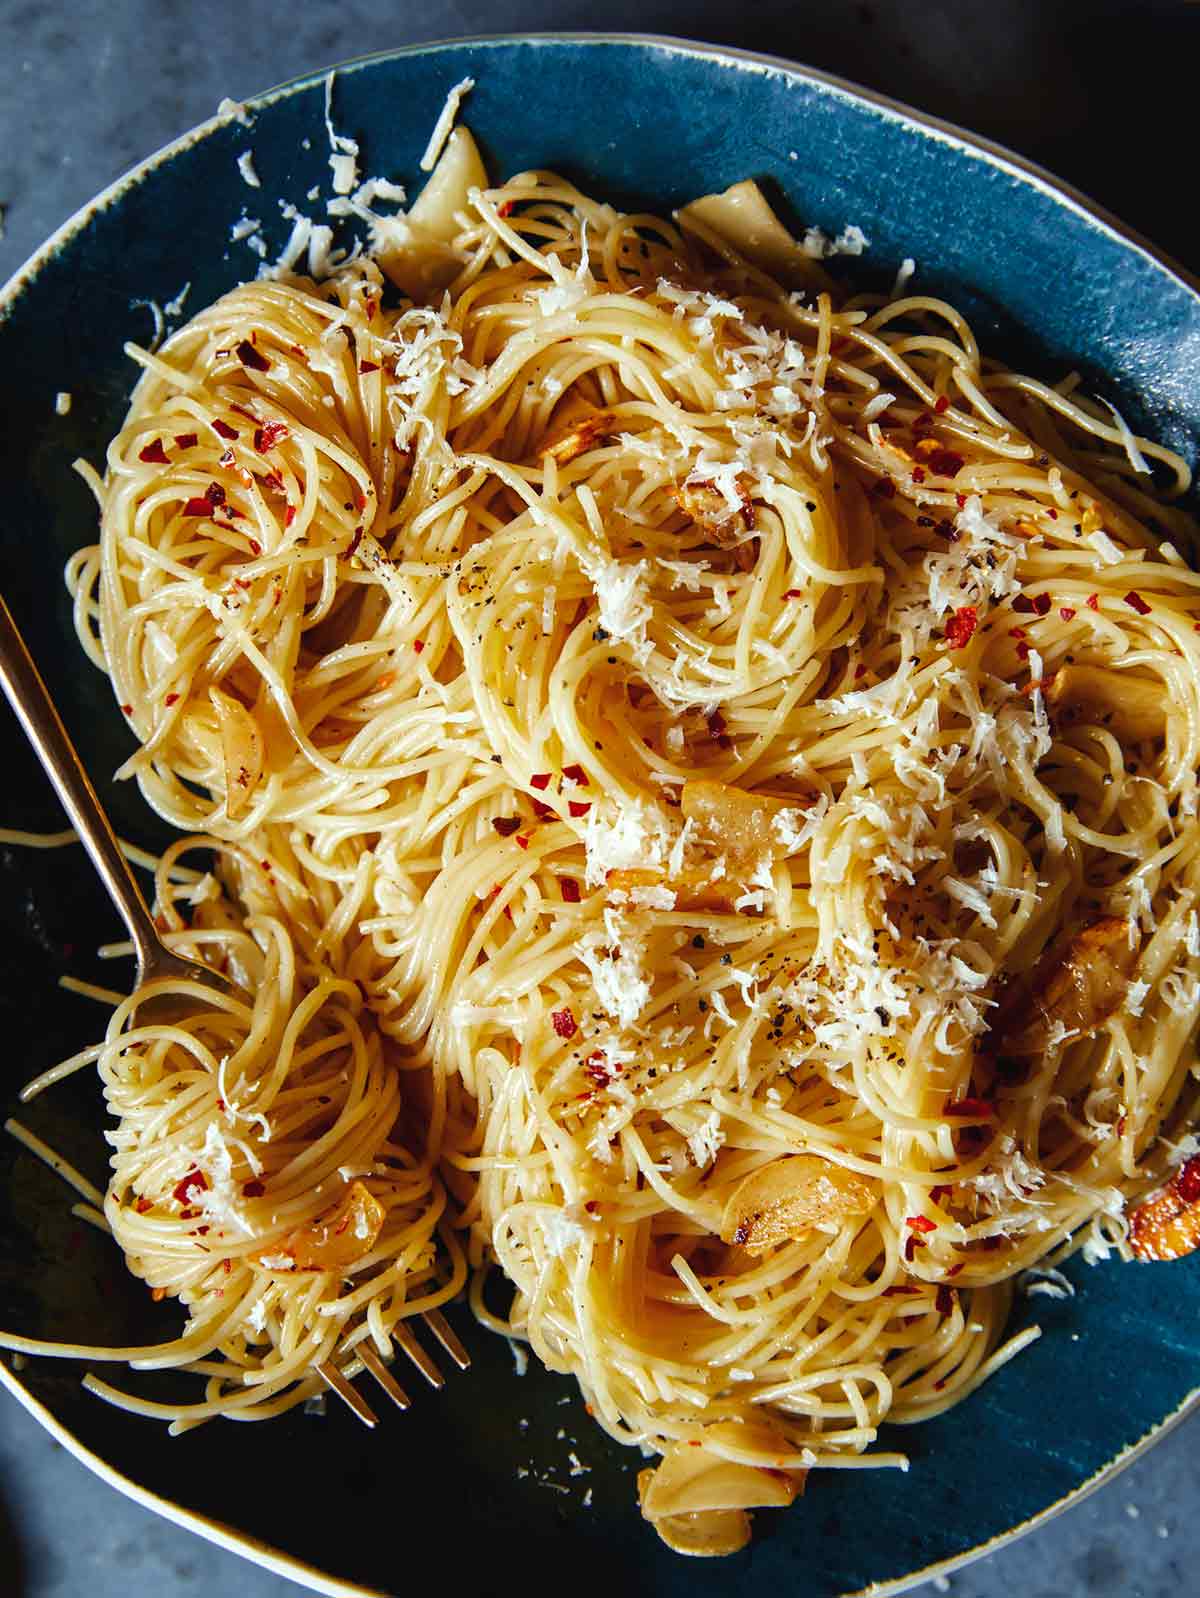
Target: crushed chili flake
1066, 612
940, 1192
1023, 605
564, 1023
269, 434
198, 505
506, 825
418, 645
543, 811
570, 890
253, 1189
1093, 601
523, 840
127, 710
142, 1205
578, 807
921, 1223
597, 1067
1022, 651
898, 1288
1187, 1182
224, 429
945, 462
911, 1244
540, 780
187, 440
171, 699
368, 366
194, 1182
1053, 515
1042, 604
954, 1269
941, 404
289, 515
961, 626
154, 454
961, 501
1017, 632
505, 209
944, 1302
214, 494
576, 773
794, 593
1135, 601
918, 474
354, 542
970, 1109
249, 356
255, 546
227, 459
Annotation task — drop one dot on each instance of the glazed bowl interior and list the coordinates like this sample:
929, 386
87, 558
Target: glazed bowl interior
482, 1476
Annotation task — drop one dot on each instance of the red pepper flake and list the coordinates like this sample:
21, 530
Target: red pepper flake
274, 482
194, 1182
918, 474
921, 1223
970, 1109
505, 209
576, 773
597, 1067
954, 1269
578, 807
269, 434
1053, 514
947, 530
1042, 604
1187, 1183
255, 546
142, 1205
897, 1288
911, 1244
506, 825
127, 710
564, 1023
360, 502
944, 1302
592, 1207
253, 1189
197, 506
540, 780
794, 593
945, 463
1135, 601
941, 404
994, 1242
187, 440
227, 459
1023, 605
1022, 651
523, 840
543, 811
354, 542
961, 626
248, 414
1093, 601
215, 495
418, 645
1017, 632
289, 515
940, 1192
961, 501
154, 454
171, 699
939, 1384
249, 356
1066, 612
570, 890
368, 366
224, 429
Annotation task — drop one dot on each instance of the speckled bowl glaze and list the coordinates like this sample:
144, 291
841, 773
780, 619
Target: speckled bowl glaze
478, 1481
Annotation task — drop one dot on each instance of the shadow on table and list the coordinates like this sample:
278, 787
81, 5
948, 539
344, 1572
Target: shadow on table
13, 1561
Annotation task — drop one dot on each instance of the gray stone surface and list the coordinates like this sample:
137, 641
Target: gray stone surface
1092, 90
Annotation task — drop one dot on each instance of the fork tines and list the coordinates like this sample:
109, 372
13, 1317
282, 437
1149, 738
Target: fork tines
371, 1361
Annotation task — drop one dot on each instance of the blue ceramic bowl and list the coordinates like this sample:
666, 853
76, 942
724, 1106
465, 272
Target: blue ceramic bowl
480, 1477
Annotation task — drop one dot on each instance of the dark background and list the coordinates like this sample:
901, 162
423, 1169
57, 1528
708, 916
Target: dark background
1103, 94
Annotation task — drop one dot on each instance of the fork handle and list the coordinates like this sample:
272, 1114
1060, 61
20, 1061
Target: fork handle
30, 698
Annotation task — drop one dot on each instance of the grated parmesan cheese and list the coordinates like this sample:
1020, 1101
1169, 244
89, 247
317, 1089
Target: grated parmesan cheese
245, 164
445, 122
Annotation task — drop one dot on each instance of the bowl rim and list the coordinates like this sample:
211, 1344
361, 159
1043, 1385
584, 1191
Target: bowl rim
971, 145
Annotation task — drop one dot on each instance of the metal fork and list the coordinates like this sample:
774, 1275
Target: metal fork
30, 698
